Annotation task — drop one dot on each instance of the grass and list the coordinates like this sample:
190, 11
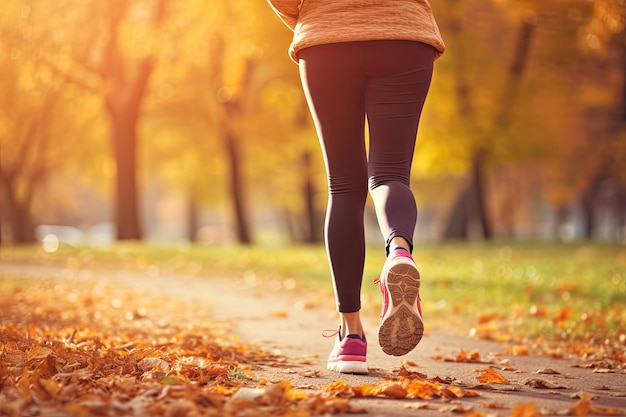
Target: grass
561, 290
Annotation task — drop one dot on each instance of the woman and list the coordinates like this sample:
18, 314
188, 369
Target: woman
369, 59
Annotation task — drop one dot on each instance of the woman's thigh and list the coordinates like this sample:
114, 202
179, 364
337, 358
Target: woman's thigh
398, 79
333, 78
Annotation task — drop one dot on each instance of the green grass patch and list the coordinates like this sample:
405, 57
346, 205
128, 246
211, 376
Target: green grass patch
536, 288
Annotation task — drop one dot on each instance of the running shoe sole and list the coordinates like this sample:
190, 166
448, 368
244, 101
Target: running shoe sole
349, 367
402, 327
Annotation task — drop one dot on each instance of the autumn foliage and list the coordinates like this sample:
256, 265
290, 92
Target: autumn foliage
78, 351
80, 347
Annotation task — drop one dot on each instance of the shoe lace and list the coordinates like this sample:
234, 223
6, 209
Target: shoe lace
330, 333
377, 280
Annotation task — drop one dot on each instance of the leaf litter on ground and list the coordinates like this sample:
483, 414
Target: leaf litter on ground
84, 348
88, 348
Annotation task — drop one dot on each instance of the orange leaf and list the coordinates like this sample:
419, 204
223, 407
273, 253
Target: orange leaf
486, 318
517, 350
423, 389
563, 315
394, 390
490, 376
366, 390
525, 410
582, 407
341, 389
494, 404
452, 391
467, 357
603, 411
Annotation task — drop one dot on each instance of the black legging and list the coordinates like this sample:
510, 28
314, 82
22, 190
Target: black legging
387, 81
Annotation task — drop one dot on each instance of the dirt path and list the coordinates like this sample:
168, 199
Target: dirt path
289, 323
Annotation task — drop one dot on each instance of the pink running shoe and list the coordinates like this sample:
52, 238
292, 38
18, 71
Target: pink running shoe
401, 325
349, 354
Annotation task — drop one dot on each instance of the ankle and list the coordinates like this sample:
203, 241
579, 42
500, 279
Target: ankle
399, 243
350, 324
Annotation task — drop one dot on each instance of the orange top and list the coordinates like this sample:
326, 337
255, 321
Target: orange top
316, 22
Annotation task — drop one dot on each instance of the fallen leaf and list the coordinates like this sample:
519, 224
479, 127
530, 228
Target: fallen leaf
408, 370
456, 408
422, 389
604, 371
582, 407
542, 384
517, 350
366, 390
341, 389
417, 405
486, 318
525, 410
582, 395
491, 376
492, 404
606, 411
394, 390
468, 357
454, 391
563, 315
547, 371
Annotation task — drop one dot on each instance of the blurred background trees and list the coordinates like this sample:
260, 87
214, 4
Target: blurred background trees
184, 120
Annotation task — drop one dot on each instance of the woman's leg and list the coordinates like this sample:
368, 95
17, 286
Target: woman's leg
334, 81
399, 75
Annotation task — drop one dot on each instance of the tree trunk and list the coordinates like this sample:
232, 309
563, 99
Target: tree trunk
562, 216
457, 226
23, 228
480, 205
192, 218
589, 205
124, 138
233, 109
242, 227
469, 208
473, 196
18, 213
620, 208
308, 193
126, 81
589, 219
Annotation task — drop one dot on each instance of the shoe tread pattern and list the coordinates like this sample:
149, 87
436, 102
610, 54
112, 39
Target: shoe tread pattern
403, 329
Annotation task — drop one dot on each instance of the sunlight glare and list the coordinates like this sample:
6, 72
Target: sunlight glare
50, 243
